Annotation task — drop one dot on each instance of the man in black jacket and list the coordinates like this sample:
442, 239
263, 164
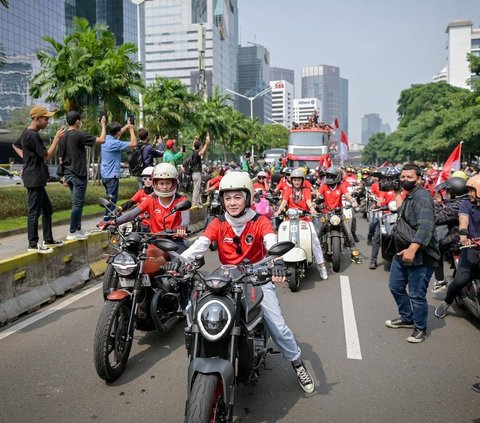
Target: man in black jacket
414, 261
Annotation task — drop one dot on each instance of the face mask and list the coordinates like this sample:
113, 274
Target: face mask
408, 185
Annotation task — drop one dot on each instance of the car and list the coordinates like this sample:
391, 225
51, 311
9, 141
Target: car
8, 178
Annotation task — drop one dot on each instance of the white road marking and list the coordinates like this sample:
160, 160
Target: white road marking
351, 333
19, 326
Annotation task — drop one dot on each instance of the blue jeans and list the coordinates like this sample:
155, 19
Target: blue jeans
281, 335
412, 306
78, 187
111, 187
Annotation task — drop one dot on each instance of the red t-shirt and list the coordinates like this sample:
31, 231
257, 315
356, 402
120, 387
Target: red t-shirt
288, 195
283, 184
332, 196
215, 182
158, 211
258, 185
375, 189
139, 197
307, 184
250, 241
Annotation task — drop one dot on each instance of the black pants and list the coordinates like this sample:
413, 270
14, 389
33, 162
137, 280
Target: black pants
467, 268
38, 204
375, 239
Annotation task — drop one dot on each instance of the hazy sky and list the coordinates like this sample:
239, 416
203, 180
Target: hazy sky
381, 46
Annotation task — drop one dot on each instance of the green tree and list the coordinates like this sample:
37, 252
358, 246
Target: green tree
88, 71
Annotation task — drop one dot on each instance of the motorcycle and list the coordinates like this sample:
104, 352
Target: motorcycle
301, 256
227, 340
262, 204
214, 210
139, 296
366, 203
388, 217
469, 298
332, 238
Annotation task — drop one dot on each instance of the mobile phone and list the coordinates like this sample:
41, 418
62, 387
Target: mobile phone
184, 149
100, 116
131, 119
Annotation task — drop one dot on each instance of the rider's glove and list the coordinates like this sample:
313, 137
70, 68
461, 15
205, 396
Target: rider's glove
279, 269
174, 266
105, 224
181, 232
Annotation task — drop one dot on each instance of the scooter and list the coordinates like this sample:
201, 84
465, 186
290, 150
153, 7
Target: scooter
301, 256
469, 297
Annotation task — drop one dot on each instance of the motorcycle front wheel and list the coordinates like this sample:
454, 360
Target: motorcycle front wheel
336, 254
111, 347
206, 403
294, 278
110, 280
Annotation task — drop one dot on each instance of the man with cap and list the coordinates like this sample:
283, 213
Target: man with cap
171, 155
35, 175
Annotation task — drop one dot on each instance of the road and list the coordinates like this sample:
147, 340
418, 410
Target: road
47, 371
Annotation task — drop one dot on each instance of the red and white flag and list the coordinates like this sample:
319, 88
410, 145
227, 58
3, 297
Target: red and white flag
335, 124
385, 164
453, 163
325, 161
343, 147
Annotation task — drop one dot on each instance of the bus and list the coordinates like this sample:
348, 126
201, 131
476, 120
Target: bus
306, 146
272, 155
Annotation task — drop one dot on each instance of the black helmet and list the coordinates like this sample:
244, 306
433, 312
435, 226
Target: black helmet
386, 172
333, 175
457, 186
287, 170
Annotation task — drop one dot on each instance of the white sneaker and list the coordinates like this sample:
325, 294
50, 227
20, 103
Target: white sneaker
41, 249
304, 377
77, 235
322, 269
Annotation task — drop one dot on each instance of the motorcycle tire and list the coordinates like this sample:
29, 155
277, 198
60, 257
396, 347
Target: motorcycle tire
110, 347
336, 254
206, 403
110, 280
294, 278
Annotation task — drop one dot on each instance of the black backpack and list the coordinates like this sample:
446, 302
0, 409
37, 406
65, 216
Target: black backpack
136, 164
187, 165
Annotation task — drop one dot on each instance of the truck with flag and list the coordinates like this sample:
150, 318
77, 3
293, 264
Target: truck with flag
308, 146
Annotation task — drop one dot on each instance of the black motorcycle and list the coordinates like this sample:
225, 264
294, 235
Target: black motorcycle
226, 340
388, 217
469, 298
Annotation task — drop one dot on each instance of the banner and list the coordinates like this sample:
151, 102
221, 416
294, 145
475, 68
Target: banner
453, 163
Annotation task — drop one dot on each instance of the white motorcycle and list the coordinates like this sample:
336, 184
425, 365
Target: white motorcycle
298, 258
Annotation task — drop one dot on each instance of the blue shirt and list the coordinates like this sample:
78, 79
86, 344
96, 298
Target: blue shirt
473, 213
111, 156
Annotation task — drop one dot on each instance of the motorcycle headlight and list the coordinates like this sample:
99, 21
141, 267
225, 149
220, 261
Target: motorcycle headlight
214, 319
126, 228
392, 206
293, 213
335, 220
124, 263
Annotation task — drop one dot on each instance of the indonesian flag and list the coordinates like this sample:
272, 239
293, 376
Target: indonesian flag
452, 164
385, 164
335, 123
343, 146
325, 161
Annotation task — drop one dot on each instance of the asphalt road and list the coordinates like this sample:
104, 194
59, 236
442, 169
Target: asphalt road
365, 372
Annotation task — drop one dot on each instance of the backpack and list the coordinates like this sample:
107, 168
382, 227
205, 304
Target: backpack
136, 164
187, 165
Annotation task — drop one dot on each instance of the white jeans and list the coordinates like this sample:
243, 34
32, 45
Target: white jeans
317, 249
197, 185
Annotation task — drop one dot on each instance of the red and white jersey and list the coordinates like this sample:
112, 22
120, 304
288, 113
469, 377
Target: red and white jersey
297, 199
139, 197
158, 211
332, 196
233, 249
284, 183
351, 179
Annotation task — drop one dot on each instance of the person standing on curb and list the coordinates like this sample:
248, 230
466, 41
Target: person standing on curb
416, 257
171, 155
198, 153
35, 175
72, 156
111, 158
149, 152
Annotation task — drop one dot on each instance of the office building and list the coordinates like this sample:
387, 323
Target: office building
371, 124
324, 82
282, 102
461, 39
172, 41
279, 74
253, 78
304, 107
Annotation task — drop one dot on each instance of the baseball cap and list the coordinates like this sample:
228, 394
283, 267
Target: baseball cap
40, 111
170, 143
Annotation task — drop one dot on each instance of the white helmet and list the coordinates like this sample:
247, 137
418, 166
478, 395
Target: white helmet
147, 171
262, 174
165, 171
237, 181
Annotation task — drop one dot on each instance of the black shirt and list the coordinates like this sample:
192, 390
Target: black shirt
196, 162
35, 171
72, 149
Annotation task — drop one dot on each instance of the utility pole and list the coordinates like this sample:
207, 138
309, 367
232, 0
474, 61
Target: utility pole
201, 81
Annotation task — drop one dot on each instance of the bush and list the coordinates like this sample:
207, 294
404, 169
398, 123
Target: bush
13, 200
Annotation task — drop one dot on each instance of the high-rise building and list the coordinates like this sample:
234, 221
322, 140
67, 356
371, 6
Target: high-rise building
462, 39
304, 107
253, 78
282, 102
278, 74
324, 82
172, 45
371, 124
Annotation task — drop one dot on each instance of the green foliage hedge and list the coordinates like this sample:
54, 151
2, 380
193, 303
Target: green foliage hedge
13, 200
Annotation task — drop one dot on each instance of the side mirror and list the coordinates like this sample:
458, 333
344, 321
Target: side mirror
183, 205
103, 202
281, 248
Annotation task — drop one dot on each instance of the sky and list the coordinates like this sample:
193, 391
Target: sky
381, 46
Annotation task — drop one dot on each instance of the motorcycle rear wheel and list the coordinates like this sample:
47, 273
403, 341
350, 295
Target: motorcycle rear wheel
336, 254
111, 348
110, 280
294, 278
206, 403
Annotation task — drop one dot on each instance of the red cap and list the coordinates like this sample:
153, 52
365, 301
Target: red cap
170, 143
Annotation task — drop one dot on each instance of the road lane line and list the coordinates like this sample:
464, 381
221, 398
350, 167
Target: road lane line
19, 326
351, 333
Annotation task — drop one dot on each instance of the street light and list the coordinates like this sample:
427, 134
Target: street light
139, 56
265, 91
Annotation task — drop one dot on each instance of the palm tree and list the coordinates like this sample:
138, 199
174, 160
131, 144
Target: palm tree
88, 70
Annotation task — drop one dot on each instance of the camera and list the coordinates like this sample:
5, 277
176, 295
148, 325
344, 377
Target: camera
389, 185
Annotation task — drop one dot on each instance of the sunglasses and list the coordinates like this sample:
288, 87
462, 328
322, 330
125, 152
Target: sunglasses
261, 178
236, 240
146, 178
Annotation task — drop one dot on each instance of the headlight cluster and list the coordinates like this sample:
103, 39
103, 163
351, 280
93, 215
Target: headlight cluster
293, 213
214, 319
335, 220
124, 263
